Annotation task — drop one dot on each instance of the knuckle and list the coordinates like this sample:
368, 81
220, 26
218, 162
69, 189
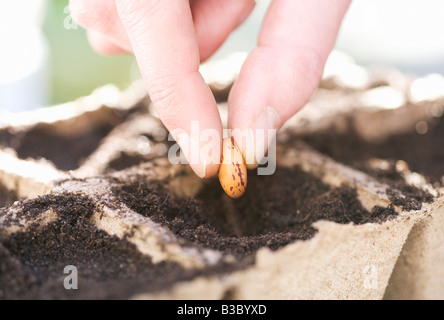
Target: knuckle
133, 11
128, 10
165, 95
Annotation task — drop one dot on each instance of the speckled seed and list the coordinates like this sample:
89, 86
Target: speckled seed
232, 170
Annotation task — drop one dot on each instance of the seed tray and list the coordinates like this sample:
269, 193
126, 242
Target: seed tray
349, 213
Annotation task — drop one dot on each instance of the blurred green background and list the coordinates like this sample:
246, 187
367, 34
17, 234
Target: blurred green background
75, 69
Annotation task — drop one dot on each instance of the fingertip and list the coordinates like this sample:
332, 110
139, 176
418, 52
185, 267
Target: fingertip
204, 171
202, 157
255, 137
211, 170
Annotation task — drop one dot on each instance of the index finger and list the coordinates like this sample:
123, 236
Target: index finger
164, 42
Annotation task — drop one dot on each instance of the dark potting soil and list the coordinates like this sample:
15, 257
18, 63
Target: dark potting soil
125, 160
7, 197
424, 153
66, 152
276, 210
32, 263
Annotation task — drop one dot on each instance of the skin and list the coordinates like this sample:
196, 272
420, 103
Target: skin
170, 38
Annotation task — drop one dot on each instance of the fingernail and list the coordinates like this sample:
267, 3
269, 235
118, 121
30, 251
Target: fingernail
196, 159
265, 125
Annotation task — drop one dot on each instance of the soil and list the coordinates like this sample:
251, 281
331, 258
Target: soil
111, 268
125, 160
66, 152
7, 197
32, 262
275, 210
424, 153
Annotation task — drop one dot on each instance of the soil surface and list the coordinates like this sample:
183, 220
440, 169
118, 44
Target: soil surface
32, 263
421, 153
66, 152
111, 268
275, 210
7, 197
424, 153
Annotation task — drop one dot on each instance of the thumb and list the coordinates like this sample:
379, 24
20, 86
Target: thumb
282, 73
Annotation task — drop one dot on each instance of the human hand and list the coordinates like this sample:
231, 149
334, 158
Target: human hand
170, 38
